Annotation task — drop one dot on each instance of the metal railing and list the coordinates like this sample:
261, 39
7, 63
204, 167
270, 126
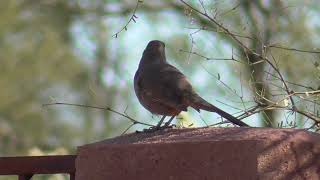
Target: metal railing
26, 166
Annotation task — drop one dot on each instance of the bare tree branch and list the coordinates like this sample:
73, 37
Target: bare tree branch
97, 107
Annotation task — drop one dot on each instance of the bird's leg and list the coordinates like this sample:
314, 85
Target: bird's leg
167, 124
157, 127
160, 122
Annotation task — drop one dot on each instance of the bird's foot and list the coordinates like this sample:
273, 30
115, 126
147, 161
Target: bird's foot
156, 128
167, 125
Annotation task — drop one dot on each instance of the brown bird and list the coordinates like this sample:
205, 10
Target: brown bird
163, 90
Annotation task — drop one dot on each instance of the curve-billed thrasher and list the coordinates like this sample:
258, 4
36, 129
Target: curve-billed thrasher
164, 90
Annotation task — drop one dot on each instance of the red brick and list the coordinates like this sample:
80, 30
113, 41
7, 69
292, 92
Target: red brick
204, 153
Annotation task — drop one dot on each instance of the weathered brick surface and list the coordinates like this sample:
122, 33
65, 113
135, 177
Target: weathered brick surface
174, 161
204, 153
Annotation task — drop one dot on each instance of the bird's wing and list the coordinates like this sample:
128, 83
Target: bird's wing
165, 84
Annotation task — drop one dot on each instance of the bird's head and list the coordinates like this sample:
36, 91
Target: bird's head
154, 52
155, 46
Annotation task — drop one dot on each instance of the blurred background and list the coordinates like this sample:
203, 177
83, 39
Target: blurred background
84, 52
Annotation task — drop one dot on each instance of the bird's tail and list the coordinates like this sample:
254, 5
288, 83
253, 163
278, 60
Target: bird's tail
199, 103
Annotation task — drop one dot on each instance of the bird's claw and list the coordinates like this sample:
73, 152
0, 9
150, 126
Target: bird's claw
157, 128
167, 125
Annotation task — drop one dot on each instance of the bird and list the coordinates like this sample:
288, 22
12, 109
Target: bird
164, 90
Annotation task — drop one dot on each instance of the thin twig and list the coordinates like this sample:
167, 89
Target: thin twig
97, 107
232, 9
132, 18
219, 25
292, 83
207, 58
217, 31
267, 104
128, 128
294, 49
309, 115
283, 81
219, 79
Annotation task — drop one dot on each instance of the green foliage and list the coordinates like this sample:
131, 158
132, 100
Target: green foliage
35, 60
